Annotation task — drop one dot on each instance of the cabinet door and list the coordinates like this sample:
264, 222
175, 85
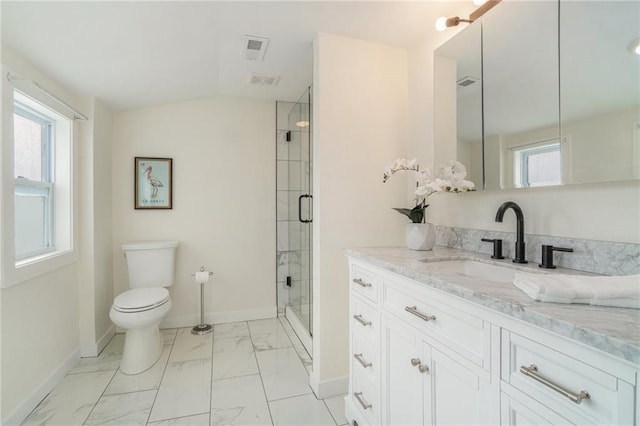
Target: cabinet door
460, 396
402, 380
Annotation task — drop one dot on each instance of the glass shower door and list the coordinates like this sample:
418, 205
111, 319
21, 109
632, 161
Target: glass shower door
301, 211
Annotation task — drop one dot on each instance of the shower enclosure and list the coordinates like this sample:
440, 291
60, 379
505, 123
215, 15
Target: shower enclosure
294, 215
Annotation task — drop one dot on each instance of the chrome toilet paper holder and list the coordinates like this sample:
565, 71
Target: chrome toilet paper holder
202, 328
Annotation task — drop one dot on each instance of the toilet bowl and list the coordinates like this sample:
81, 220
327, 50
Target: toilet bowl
140, 310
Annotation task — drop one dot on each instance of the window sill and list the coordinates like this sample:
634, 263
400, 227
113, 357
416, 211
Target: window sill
38, 256
33, 267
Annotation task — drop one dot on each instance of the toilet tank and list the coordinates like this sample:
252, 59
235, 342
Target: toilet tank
151, 263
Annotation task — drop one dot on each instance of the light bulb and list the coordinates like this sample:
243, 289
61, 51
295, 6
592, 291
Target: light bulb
479, 2
441, 23
634, 46
303, 123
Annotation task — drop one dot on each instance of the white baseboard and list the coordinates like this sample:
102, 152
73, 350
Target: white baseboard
219, 317
328, 388
22, 411
106, 338
95, 349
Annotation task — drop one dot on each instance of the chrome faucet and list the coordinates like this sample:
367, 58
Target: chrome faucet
519, 255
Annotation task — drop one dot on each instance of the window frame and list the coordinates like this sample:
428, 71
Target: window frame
68, 131
523, 159
45, 186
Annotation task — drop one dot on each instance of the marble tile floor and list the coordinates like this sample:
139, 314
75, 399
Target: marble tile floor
244, 373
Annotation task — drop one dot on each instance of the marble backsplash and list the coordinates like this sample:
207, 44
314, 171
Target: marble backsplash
600, 257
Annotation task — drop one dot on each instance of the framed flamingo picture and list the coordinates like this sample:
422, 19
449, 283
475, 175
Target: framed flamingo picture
153, 183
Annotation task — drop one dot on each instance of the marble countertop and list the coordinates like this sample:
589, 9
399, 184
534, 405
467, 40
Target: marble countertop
612, 330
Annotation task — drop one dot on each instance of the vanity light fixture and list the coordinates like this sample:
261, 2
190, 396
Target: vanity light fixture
443, 22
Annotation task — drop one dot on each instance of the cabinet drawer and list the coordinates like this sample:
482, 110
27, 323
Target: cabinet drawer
526, 411
564, 383
365, 398
365, 321
365, 282
365, 358
467, 335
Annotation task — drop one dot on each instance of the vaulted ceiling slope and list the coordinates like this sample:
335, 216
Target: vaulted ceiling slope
137, 54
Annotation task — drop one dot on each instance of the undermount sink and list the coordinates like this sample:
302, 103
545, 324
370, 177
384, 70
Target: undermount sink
472, 269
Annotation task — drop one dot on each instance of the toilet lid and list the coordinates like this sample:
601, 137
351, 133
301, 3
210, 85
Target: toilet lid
139, 299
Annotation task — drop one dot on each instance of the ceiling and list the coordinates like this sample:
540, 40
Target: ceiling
136, 54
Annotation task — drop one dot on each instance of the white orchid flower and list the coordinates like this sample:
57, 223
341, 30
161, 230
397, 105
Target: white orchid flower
450, 177
423, 192
438, 185
452, 169
465, 185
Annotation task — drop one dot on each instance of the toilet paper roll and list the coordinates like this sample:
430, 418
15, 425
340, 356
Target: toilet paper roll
202, 276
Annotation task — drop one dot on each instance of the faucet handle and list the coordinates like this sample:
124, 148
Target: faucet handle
497, 247
547, 255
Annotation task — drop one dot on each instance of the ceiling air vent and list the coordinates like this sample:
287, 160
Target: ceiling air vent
254, 47
467, 81
263, 79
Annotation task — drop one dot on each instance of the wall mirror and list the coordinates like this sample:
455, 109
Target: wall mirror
560, 94
600, 89
458, 73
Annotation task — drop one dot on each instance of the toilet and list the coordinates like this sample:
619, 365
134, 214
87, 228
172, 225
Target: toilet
138, 311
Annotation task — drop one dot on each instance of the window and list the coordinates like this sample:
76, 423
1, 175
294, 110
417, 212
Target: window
43, 180
538, 165
33, 163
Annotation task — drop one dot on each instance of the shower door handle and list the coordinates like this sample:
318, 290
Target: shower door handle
300, 208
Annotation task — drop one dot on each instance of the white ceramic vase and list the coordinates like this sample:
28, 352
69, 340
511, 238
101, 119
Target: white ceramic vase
421, 236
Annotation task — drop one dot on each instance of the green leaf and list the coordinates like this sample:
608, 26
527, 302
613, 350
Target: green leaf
415, 214
406, 212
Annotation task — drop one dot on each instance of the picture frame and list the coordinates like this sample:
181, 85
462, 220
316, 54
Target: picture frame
153, 183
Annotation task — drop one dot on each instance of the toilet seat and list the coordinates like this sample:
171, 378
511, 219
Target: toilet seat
141, 299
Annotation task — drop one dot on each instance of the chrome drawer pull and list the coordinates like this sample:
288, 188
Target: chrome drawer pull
361, 283
423, 368
361, 320
531, 371
413, 310
361, 360
362, 402
415, 362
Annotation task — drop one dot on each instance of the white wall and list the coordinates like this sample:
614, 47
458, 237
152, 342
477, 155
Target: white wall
607, 212
224, 211
96, 255
360, 120
103, 231
39, 336
39, 322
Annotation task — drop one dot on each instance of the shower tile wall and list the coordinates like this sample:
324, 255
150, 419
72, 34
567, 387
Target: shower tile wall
292, 242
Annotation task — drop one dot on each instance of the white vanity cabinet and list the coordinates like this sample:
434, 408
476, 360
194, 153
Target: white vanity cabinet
420, 356
422, 385
364, 347
431, 360
435, 360
578, 385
